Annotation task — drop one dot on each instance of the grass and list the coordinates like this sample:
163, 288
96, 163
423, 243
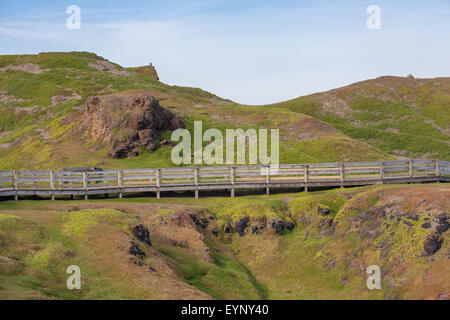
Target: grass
301, 264
303, 139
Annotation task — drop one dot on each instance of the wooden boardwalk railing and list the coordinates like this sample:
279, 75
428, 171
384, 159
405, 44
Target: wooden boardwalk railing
59, 183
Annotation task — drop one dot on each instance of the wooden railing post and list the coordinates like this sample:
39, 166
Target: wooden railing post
158, 183
85, 185
382, 172
306, 177
120, 182
437, 169
52, 183
268, 180
196, 182
410, 170
14, 179
232, 181
341, 174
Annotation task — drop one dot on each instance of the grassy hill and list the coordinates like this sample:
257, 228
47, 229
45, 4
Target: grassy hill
322, 257
284, 246
405, 117
41, 96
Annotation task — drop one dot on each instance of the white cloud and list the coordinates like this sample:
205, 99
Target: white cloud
267, 56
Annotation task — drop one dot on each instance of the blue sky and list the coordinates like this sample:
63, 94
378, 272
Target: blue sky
252, 52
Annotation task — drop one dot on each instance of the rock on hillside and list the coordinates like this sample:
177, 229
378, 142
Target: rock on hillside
149, 70
126, 122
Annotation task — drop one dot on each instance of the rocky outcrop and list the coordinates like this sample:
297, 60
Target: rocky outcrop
432, 244
137, 253
241, 225
126, 122
277, 225
324, 211
142, 233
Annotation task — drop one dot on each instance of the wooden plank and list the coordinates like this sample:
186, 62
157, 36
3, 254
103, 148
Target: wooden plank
395, 163
319, 172
149, 170
214, 175
323, 165
362, 164
424, 168
424, 162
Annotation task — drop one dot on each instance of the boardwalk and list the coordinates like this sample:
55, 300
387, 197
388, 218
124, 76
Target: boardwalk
65, 183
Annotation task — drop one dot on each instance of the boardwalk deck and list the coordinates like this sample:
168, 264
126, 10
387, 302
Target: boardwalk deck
65, 183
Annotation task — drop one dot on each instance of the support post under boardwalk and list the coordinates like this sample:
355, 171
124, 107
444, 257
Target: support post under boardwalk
268, 180
341, 174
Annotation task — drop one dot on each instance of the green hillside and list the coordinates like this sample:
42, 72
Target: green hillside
194, 255
42, 95
405, 117
309, 245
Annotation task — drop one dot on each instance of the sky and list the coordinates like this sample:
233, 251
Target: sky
252, 52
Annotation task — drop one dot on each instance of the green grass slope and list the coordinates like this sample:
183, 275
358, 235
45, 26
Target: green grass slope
322, 257
405, 117
41, 97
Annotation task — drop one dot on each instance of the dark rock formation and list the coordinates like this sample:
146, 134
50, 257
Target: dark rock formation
323, 211
227, 229
199, 221
432, 244
215, 232
289, 225
277, 225
126, 122
255, 229
180, 243
241, 225
138, 254
325, 224
442, 223
142, 233
426, 225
